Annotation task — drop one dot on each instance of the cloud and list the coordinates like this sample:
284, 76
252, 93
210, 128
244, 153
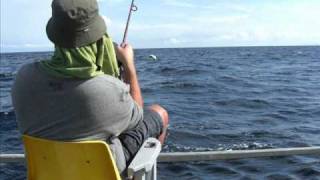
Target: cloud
162, 23
26, 46
212, 6
107, 20
111, 1
9, 46
181, 4
30, 45
220, 19
174, 41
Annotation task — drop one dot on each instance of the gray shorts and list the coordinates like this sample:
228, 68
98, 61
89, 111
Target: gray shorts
132, 140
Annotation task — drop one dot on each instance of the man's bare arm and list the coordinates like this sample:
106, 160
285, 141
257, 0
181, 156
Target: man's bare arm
126, 56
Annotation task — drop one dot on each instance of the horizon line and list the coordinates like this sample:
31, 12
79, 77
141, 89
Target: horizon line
199, 47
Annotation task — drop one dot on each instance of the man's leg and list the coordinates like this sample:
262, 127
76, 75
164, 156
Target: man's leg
165, 120
154, 124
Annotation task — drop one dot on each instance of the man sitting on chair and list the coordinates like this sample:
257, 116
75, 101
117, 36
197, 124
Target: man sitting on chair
77, 94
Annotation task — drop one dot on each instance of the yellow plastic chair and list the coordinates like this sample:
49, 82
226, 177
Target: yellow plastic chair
87, 160
53, 160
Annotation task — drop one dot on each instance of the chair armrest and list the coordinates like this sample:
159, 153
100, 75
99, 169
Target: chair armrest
146, 157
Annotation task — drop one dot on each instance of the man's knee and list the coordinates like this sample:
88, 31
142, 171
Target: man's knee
162, 112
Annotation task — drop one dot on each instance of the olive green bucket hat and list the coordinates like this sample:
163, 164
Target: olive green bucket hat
75, 23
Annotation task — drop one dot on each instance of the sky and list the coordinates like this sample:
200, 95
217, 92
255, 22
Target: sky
175, 23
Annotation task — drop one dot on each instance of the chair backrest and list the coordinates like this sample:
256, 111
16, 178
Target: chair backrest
54, 160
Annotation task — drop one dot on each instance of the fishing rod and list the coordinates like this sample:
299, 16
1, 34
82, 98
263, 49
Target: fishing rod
132, 8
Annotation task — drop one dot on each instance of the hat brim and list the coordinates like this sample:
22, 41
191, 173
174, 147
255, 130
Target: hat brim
65, 37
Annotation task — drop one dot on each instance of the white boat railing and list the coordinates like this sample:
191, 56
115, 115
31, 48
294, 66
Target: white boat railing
236, 154
205, 156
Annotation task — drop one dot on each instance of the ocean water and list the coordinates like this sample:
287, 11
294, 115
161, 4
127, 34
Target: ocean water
218, 99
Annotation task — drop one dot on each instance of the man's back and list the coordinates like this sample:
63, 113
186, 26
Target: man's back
72, 109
